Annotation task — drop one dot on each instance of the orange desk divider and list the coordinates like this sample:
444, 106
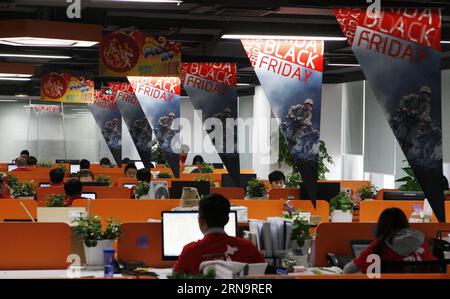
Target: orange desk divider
284, 193
335, 237
42, 193
128, 210
122, 181
380, 193
229, 192
108, 192
11, 209
370, 210
34, 246
447, 211
142, 242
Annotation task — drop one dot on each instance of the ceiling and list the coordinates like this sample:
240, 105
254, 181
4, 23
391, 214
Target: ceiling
198, 25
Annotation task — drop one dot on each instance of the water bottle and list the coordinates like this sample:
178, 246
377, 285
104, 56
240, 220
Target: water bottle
108, 259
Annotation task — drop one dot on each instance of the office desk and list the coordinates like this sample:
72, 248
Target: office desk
63, 274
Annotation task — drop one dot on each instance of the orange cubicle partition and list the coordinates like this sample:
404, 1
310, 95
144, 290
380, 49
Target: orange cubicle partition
284, 193
322, 208
34, 246
335, 237
229, 192
447, 211
128, 210
11, 209
142, 242
101, 192
348, 184
370, 210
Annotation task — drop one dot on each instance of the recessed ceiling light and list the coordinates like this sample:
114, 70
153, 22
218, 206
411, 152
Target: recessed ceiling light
343, 64
34, 56
282, 37
21, 95
12, 75
14, 79
243, 84
44, 42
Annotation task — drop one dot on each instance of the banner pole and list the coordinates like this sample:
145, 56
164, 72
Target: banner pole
64, 130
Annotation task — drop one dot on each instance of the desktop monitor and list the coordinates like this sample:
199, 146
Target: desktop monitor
74, 168
244, 178
358, 246
202, 187
90, 195
325, 191
44, 185
139, 165
403, 195
11, 167
181, 228
129, 185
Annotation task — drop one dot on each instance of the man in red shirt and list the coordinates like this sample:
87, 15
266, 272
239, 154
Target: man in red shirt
216, 244
21, 165
73, 189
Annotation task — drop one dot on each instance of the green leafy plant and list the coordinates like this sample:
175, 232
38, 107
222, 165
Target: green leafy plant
21, 188
341, 202
368, 191
163, 175
256, 188
284, 156
293, 180
300, 230
157, 154
56, 200
141, 189
206, 168
91, 230
410, 181
104, 179
47, 164
177, 275
61, 166
12, 181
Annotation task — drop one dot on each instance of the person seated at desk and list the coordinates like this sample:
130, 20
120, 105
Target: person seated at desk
21, 165
24, 154
56, 177
216, 244
73, 189
31, 162
86, 176
395, 241
198, 161
143, 175
85, 164
105, 163
4, 189
277, 179
130, 171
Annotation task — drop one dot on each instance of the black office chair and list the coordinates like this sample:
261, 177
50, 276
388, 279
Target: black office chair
436, 266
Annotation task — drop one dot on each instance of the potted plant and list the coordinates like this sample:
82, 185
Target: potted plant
367, 191
256, 189
301, 240
141, 190
410, 181
163, 175
206, 168
104, 179
56, 200
95, 238
293, 180
341, 207
46, 164
21, 189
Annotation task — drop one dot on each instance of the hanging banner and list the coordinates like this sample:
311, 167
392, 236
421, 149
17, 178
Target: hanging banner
108, 118
134, 118
211, 87
400, 56
159, 98
134, 54
66, 88
290, 73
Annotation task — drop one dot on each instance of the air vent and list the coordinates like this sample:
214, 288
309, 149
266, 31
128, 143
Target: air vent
234, 12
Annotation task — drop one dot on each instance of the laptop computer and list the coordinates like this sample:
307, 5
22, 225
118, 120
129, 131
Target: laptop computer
358, 246
90, 195
64, 215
